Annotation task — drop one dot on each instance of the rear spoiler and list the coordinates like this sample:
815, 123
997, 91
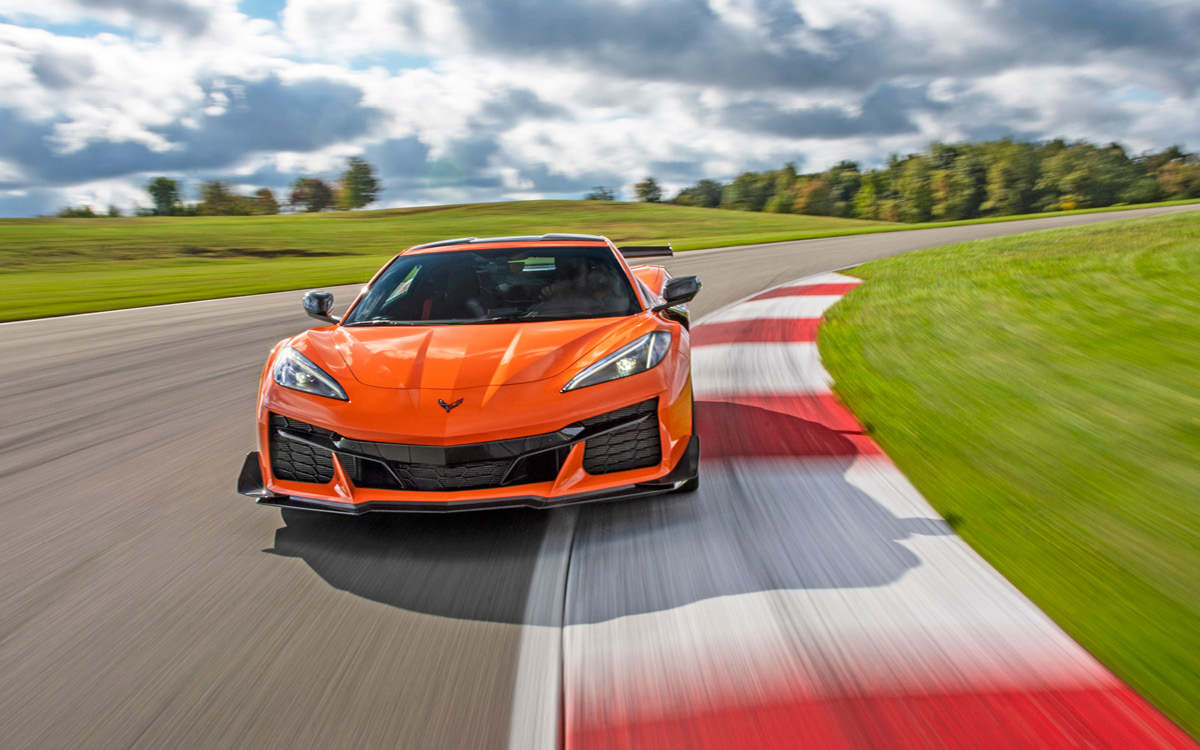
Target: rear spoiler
647, 251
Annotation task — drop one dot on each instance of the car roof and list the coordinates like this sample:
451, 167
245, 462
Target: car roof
558, 238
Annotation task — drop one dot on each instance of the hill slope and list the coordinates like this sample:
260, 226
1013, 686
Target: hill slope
46, 244
60, 266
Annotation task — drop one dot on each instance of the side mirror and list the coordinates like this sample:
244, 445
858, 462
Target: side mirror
679, 290
318, 305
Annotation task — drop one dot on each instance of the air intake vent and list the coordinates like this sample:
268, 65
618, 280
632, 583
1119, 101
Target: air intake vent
298, 462
635, 447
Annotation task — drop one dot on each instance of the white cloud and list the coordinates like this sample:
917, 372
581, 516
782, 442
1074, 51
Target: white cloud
540, 100
345, 29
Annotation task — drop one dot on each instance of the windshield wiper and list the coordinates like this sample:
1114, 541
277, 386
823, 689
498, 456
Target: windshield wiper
365, 323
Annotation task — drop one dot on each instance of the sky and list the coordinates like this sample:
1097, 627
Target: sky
484, 100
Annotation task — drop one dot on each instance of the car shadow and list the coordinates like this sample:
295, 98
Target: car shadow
784, 518
474, 566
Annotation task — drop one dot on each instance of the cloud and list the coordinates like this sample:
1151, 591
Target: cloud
518, 104
241, 118
885, 111
1095, 25
494, 99
192, 19
186, 17
61, 71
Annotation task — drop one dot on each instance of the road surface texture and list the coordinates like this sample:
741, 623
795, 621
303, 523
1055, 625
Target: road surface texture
816, 600
143, 604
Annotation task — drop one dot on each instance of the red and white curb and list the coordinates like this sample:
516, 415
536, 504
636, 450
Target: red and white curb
885, 631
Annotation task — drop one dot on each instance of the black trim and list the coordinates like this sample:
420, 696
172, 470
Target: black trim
318, 303
453, 455
250, 479
455, 506
687, 468
679, 291
250, 483
635, 445
647, 251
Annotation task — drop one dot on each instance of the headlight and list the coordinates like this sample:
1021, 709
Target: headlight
630, 359
296, 371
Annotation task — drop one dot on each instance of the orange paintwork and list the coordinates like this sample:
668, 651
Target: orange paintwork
654, 277
510, 377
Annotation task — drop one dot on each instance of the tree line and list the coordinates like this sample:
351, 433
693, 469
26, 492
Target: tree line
950, 182
357, 187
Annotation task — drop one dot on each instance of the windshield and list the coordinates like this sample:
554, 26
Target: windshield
499, 285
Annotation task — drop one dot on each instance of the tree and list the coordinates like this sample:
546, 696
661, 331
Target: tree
780, 203
1011, 178
216, 199
749, 192
1155, 162
1180, 179
844, 180
77, 212
114, 212
916, 192
648, 191
165, 194
963, 181
968, 187
311, 194
1144, 190
866, 200
264, 203
783, 190
1083, 175
814, 197
601, 193
359, 186
705, 194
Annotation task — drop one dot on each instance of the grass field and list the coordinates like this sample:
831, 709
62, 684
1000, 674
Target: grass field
1043, 391
59, 266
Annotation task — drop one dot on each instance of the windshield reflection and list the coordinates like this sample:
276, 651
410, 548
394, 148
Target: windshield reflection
498, 285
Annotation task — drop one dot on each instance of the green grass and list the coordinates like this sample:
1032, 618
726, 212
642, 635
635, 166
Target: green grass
45, 244
1043, 392
60, 266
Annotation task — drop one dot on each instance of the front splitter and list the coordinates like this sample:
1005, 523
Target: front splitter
250, 482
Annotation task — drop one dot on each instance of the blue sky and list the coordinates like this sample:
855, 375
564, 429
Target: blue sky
470, 100
268, 9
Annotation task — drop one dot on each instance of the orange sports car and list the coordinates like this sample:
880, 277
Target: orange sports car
484, 373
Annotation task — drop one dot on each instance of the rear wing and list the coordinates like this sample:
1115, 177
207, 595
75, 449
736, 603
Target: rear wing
647, 251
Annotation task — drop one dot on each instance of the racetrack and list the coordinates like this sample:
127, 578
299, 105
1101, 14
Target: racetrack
144, 604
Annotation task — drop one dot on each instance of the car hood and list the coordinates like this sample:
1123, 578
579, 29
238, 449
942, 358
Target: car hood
468, 356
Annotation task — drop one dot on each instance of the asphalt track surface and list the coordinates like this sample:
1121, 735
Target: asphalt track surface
144, 604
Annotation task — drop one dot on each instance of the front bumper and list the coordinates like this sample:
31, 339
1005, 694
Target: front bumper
250, 482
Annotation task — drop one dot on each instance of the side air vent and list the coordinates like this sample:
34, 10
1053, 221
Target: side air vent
635, 447
295, 461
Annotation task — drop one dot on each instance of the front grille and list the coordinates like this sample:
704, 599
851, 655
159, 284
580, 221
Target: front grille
635, 447
299, 462
542, 467
465, 477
